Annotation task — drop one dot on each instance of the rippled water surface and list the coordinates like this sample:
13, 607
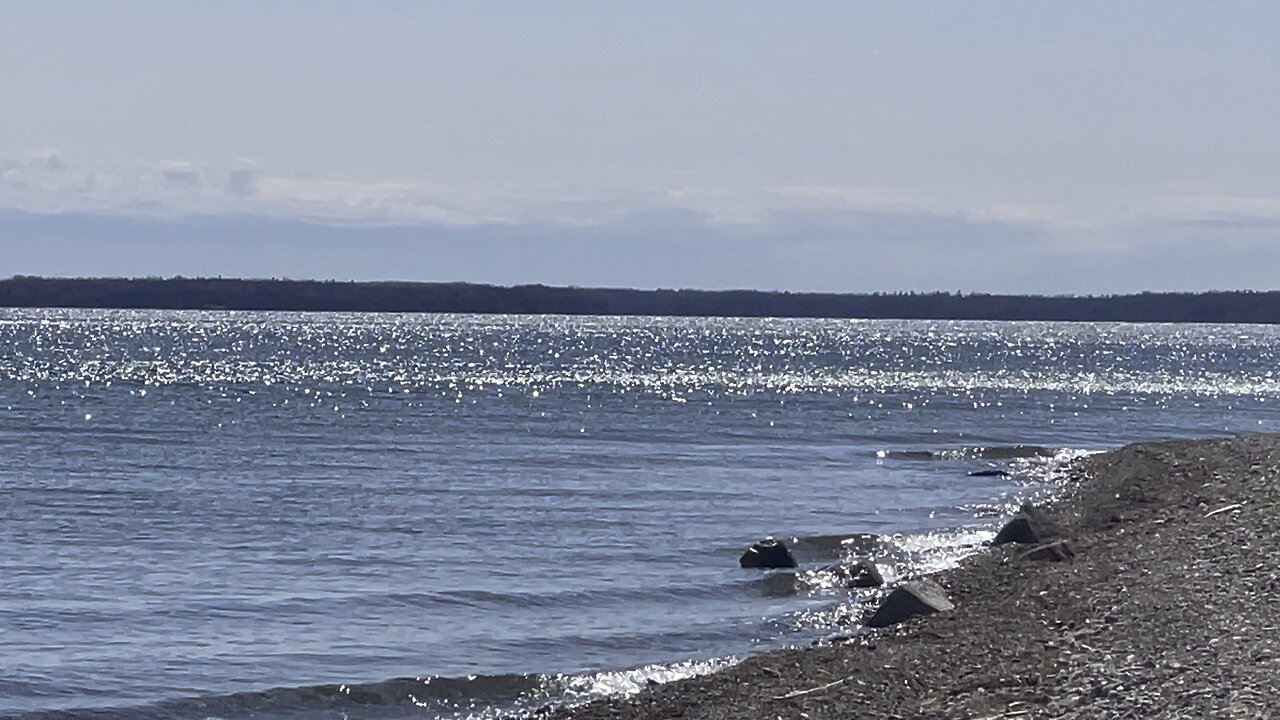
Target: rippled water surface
296, 515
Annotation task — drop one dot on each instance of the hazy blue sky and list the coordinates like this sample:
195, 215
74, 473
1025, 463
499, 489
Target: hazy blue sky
1005, 146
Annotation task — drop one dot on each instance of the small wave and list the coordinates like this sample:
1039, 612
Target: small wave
994, 452
904, 556
898, 557
585, 688
441, 697
826, 547
473, 697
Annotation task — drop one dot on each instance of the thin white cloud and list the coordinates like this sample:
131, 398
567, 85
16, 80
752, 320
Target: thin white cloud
905, 200
1209, 207
48, 182
850, 196
1021, 213
180, 175
39, 161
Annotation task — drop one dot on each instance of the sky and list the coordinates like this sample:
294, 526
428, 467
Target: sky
1088, 147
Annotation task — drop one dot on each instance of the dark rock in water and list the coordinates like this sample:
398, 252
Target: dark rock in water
860, 573
864, 574
1052, 552
988, 473
768, 553
912, 599
1029, 526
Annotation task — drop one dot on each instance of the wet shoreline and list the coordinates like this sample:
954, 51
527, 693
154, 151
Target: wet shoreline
1168, 609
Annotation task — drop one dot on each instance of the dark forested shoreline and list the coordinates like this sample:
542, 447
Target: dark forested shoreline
314, 295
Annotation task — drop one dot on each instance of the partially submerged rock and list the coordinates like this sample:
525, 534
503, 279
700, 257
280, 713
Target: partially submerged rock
864, 574
908, 600
1029, 526
768, 553
859, 573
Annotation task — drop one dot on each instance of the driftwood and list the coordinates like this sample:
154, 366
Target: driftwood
810, 691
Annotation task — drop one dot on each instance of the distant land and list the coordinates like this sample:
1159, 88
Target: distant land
181, 293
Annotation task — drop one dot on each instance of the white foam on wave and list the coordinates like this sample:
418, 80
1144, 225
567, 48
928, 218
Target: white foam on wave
903, 556
1042, 478
900, 556
585, 688
568, 690
931, 552
1036, 479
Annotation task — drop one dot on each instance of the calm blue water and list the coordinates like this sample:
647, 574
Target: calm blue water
214, 514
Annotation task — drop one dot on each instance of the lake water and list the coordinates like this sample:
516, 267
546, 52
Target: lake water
281, 515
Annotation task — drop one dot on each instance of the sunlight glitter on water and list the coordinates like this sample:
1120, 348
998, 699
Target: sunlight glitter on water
347, 498
634, 354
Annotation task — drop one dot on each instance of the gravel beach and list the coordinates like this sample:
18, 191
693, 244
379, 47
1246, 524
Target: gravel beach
1170, 608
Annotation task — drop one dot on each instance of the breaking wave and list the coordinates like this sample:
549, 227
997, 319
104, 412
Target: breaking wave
473, 697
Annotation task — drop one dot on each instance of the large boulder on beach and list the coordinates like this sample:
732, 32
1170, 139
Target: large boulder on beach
908, 600
1029, 526
768, 553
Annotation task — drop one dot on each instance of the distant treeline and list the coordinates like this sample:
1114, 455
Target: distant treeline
181, 293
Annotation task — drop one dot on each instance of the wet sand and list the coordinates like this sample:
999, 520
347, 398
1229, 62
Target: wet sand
1169, 609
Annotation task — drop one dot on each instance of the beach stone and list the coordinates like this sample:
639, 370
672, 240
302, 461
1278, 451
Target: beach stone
908, 600
864, 574
1029, 526
1050, 552
768, 553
